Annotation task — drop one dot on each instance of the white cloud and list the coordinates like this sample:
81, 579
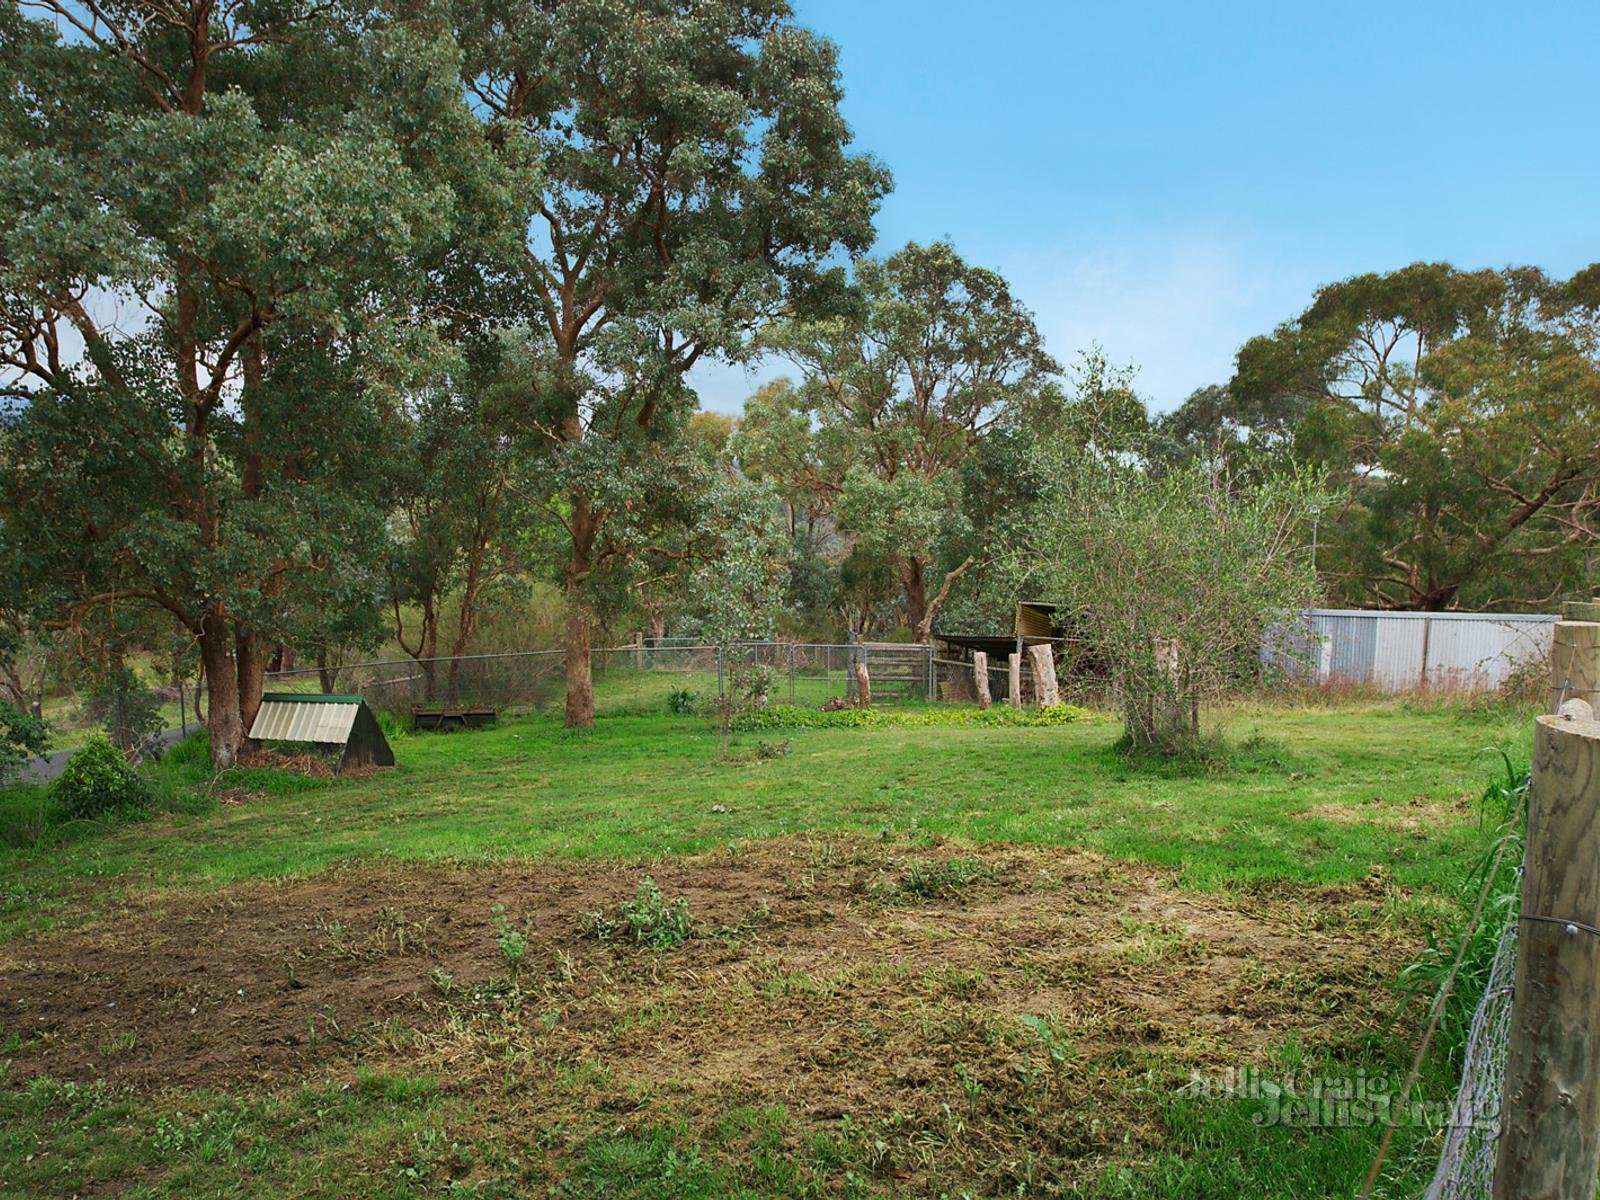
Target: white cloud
1176, 305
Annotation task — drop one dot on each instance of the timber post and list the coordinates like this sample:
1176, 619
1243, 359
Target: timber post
1550, 1105
980, 678
1014, 689
1575, 661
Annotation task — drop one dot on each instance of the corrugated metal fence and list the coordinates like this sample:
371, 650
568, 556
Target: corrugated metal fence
1404, 651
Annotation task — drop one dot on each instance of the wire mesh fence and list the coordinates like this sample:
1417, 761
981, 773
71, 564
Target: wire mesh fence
649, 675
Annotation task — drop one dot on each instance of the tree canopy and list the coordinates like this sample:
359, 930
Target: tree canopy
1456, 410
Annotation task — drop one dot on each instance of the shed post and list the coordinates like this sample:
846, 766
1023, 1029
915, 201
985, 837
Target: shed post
980, 678
1014, 688
1550, 1106
932, 675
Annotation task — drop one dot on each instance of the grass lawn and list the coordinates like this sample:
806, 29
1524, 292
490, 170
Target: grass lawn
923, 961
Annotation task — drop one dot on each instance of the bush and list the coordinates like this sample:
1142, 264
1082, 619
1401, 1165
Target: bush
22, 735
789, 716
98, 783
682, 701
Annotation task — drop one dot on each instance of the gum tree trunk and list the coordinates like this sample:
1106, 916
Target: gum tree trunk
225, 723
580, 620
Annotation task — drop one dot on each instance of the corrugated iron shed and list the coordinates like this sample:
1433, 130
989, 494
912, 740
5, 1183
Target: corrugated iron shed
288, 717
324, 720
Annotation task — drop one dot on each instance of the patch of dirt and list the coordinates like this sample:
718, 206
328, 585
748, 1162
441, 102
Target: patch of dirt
821, 977
1416, 814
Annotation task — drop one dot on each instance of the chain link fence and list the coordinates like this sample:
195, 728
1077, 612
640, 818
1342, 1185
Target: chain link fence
648, 675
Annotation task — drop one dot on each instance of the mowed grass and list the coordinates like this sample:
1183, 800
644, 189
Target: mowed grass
1325, 796
1319, 796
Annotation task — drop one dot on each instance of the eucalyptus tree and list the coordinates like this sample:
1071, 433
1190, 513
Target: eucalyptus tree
934, 355
693, 181
216, 224
1457, 410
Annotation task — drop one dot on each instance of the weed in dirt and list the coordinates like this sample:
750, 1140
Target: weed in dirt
971, 1088
512, 941
747, 926
649, 919
924, 880
120, 1042
1057, 1046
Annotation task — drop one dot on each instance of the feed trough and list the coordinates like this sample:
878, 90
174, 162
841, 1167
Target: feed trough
446, 717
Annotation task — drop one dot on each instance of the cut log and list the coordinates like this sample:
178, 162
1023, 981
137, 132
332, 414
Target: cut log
1014, 692
980, 678
863, 685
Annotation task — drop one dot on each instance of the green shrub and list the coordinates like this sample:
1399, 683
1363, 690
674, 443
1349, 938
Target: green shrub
98, 782
22, 735
682, 701
790, 716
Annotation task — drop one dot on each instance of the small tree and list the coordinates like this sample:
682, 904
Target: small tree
740, 589
1175, 580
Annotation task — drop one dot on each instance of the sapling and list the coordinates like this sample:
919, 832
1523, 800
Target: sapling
513, 943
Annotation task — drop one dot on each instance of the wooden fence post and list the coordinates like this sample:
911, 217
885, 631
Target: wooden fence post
1575, 660
1044, 674
1550, 1105
980, 678
1014, 691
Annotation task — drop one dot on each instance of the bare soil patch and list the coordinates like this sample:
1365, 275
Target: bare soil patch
826, 975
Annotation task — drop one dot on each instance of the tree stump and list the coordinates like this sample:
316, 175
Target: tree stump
1043, 659
980, 678
1014, 691
863, 685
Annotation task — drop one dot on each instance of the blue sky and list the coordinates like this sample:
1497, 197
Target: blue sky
1170, 179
